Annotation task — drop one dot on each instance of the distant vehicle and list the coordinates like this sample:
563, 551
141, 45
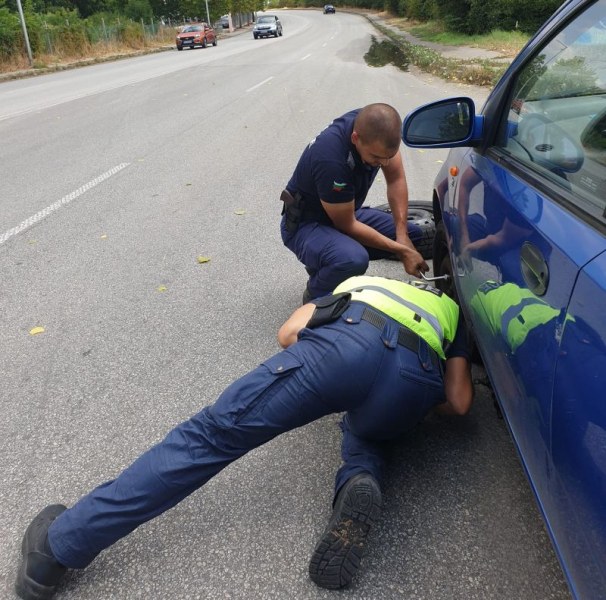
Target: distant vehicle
225, 21
329, 8
520, 213
197, 34
267, 25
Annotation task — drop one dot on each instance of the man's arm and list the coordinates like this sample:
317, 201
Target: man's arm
287, 335
397, 196
458, 387
344, 219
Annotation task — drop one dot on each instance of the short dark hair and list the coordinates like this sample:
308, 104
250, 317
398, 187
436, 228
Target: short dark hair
379, 122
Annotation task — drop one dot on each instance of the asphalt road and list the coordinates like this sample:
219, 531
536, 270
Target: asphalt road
114, 179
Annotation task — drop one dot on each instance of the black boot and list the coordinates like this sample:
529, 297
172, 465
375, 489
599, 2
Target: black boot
338, 553
39, 572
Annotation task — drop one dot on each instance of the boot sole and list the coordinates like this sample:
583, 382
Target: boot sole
339, 552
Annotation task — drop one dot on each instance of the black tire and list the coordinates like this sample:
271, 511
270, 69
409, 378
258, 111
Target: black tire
204, 43
179, 48
442, 265
215, 41
276, 34
255, 36
421, 214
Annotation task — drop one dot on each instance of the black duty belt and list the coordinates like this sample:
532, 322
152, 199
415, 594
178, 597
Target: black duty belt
406, 337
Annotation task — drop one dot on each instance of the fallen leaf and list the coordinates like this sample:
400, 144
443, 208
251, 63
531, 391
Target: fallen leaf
188, 184
239, 211
203, 259
104, 236
440, 161
161, 288
36, 330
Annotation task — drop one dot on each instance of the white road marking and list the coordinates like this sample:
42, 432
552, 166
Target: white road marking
62, 202
254, 87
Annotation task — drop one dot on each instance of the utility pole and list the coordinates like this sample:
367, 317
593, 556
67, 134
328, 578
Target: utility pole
208, 15
29, 49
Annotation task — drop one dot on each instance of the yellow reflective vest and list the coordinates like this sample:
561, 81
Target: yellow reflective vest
431, 314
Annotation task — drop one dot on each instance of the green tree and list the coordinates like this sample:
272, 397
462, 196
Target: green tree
138, 9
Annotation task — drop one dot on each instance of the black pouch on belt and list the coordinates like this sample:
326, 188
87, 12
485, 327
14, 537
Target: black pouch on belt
293, 209
329, 309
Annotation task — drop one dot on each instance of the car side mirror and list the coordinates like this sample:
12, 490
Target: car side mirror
443, 124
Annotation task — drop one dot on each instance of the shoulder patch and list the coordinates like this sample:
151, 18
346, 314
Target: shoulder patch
338, 187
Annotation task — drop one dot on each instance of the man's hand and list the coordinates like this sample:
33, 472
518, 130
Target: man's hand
298, 320
414, 264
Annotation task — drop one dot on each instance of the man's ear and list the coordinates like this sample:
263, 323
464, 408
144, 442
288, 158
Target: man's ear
355, 138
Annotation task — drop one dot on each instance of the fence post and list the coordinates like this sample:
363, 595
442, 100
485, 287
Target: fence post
49, 47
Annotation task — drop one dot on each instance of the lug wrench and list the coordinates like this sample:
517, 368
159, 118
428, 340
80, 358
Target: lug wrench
444, 277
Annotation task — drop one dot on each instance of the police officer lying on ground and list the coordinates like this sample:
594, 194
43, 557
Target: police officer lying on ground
324, 223
375, 350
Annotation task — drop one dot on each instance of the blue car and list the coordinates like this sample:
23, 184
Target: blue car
520, 211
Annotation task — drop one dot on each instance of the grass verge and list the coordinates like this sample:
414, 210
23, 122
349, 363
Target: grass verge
483, 72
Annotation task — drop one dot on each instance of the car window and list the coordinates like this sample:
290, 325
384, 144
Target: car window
556, 123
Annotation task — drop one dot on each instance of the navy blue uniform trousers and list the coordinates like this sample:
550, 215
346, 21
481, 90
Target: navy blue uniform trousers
347, 366
331, 257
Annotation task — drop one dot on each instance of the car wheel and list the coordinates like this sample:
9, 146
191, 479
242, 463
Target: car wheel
255, 36
204, 43
179, 48
215, 42
420, 214
280, 34
276, 34
442, 265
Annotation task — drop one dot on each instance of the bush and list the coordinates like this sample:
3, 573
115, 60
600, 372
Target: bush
419, 10
131, 34
10, 34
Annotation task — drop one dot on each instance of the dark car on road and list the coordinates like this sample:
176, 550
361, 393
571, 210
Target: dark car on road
520, 213
267, 25
197, 34
329, 9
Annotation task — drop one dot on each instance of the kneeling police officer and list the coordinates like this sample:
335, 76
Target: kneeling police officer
382, 351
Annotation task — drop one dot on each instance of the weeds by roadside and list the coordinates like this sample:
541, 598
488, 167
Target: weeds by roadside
507, 43
62, 48
484, 72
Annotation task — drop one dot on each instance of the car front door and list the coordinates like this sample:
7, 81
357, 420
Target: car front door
528, 218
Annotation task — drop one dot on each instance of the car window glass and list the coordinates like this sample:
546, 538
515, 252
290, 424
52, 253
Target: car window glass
556, 123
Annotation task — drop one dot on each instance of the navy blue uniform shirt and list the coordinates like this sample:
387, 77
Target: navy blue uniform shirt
331, 169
